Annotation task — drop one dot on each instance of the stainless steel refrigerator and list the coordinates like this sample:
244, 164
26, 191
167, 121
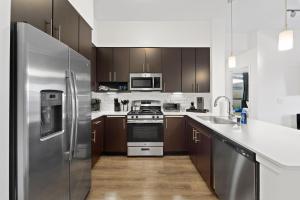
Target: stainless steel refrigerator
50, 118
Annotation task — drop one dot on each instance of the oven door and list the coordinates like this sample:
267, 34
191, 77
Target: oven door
145, 134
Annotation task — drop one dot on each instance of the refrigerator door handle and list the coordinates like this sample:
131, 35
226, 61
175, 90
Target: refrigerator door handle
71, 86
73, 75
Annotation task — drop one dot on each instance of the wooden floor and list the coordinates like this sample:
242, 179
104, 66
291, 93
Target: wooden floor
168, 178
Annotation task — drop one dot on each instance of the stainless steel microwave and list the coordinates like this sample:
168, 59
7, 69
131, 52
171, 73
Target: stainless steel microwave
145, 81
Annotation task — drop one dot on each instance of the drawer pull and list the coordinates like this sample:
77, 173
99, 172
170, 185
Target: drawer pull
145, 149
94, 137
97, 122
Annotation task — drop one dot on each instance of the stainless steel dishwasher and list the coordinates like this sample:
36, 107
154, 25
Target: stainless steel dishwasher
236, 172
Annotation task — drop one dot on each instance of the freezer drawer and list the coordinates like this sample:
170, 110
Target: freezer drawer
145, 151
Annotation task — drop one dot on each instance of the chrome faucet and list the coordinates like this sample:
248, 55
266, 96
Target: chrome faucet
229, 104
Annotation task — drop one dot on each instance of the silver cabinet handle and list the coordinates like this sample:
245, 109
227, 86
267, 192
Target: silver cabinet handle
51, 26
194, 134
97, 122
196, 137
59, 32
94, 136
143, 67
115, 76
166, 123
109, 75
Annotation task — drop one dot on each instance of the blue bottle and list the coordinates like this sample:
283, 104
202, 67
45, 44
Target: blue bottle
244, 116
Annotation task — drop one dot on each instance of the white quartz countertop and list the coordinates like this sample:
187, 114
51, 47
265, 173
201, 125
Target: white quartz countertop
277, 144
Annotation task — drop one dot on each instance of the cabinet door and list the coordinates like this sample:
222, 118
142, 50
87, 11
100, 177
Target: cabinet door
203, 70
85, 38
205, 158
94, 69
95, 148
100, 134
137, 60
188, 69
191, 142
115, 139
153, 60
104, 64
174, 136
171, 64
121, 63
35, 12
65, 23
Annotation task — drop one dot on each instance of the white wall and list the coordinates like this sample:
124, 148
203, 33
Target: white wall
278, 91
4, 100
85, 9
152, 34
274, 78
218, 72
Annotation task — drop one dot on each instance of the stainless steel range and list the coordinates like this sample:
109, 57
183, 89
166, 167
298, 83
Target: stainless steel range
145, 129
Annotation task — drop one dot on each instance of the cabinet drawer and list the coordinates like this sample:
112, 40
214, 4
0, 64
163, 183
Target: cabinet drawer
145, 151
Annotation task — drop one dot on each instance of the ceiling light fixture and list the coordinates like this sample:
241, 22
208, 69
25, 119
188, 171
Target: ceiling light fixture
231, 58
286, 37
293, 12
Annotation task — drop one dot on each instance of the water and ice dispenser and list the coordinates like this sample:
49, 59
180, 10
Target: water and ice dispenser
51, 112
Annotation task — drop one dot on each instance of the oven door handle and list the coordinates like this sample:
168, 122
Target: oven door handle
145, 122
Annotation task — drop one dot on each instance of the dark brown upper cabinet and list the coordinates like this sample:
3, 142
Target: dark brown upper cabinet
203, 70
104, 64
65, 23
153, 60
35, 12
121, 64
85, 38
171, 67
112, 64
145, 60
137, 60
94, 69
175, 140
188, 70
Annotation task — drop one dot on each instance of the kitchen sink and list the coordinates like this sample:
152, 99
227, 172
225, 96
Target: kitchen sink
217, 120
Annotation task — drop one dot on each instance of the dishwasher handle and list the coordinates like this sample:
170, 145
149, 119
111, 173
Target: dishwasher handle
238, 148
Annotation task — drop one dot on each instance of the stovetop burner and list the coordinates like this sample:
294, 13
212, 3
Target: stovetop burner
145, 112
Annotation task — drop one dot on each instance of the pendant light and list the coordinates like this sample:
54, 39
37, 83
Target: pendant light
286, 37
231, 58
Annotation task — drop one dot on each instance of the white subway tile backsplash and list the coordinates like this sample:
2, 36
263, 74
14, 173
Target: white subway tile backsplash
185, 99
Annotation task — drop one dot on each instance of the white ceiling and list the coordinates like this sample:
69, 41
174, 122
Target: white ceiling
159, 10
251, 15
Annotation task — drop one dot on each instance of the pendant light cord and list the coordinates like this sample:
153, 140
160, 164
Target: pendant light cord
285, 14
231, 26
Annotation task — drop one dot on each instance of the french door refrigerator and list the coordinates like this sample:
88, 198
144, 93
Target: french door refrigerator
50, 118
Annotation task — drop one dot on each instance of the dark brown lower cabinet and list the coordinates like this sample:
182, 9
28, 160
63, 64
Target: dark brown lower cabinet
200, 149
97, 139
115, 139
174, 135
